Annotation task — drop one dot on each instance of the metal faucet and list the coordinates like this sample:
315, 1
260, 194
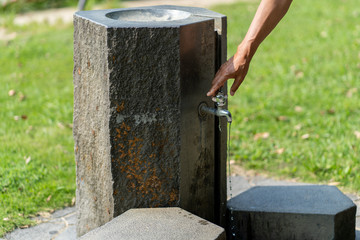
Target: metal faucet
220, 101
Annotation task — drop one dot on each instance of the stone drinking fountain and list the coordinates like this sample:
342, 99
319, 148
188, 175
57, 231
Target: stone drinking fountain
142, 135
150, 145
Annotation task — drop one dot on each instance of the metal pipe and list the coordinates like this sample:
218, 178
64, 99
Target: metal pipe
81, 5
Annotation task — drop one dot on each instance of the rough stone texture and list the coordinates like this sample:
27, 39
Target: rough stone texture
139, 141
218, 196
157, 223
94, 198
291, 212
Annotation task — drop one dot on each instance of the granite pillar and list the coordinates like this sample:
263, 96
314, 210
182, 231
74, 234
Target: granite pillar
139, 76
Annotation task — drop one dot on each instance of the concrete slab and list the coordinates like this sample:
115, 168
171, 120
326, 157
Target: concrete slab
157, 223
239, 183
292, 212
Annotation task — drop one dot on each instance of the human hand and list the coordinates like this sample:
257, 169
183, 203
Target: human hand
269, 13
236, 67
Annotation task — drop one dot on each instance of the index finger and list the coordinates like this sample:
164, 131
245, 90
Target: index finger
217, 83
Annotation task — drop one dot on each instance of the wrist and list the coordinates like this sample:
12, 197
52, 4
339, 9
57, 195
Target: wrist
248, 47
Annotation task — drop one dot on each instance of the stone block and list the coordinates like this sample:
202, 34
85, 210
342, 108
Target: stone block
139, 76
157, 223
291, 212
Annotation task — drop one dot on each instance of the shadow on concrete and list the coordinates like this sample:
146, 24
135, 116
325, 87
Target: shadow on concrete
357, 235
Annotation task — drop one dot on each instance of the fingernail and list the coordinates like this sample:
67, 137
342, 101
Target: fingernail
231, 93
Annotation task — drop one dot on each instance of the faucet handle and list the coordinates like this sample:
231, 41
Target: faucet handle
220, 99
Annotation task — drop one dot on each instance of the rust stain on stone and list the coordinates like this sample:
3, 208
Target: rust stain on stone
120, 107
140, 169
174, 196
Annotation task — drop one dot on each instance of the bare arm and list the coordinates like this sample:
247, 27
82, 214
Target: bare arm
268, 15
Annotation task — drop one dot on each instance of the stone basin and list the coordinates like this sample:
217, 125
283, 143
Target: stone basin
148, 15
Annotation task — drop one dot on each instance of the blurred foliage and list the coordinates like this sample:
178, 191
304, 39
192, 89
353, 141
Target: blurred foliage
21, 6
297, 113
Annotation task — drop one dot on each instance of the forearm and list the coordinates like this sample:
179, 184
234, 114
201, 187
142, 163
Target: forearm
268, 15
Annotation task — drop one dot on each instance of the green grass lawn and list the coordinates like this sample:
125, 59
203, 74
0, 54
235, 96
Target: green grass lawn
296, 115
37, 170
298, 112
